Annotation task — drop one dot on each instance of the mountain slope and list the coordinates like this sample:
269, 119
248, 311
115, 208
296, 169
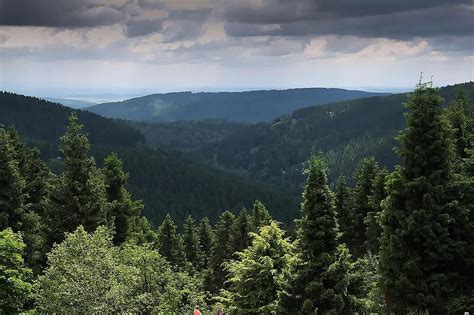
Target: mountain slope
250, 106
162, 180
70, 102
345, 132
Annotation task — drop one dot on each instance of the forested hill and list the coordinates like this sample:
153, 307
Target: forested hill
249, 106
345, 132
164, 182
39, 119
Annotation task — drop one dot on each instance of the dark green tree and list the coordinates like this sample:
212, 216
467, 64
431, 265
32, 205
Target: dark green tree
421, 231
260, 215
364, 186
192, 246
206, 240
122, 208
460, 114
372, 219
79, 194
241, 228
222, 250
169, 243
342, 201
320, 280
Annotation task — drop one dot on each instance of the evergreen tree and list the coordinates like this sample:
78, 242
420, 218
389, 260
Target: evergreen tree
79, 196
320, 279
169, 243
206, 240
342, 201
15, 286
257, 277
122, 208
222, 250
12, 185
260, 215
364, 186
420, 227
192, 247
372, 220
241, 228
460, 114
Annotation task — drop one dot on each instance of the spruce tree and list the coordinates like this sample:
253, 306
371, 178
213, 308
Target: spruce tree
320, 280
169, 243
122, 208
342, 201
420, 239
460, 114
192, 247
260, 215
372, 220
241, 228
79, 196
222, 250
206, 240
364, 185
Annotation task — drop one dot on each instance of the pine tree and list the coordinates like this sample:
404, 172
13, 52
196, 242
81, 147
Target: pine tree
372, 220
169, 243
460, 114
320, 279
12, 185
241, 228
222, 250
192, 247
260, 215
257, 277
419, 242
364, 185
342, 201
79, 196
206, 240
122, 208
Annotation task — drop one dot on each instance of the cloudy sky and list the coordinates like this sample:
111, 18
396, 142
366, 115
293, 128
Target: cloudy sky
233, 44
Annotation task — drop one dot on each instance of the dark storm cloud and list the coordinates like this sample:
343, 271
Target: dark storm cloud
142, 27
399, 19
58, 13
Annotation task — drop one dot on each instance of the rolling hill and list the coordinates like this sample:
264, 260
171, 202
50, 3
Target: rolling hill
250, 106
166, 183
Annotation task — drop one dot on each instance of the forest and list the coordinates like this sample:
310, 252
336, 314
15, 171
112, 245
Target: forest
73, 237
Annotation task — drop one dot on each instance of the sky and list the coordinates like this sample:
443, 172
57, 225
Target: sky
133, 46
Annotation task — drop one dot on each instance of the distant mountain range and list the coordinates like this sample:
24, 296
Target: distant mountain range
70, 102
250, 106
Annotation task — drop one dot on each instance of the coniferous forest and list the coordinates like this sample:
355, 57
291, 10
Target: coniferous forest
398, 240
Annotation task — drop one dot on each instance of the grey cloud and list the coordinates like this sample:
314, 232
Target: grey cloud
58, 13
142, 27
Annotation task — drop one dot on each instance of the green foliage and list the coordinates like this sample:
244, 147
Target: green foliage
321, 276
191, 241
15, 277
421, 231
241, 228
122, 209
169, 243
79, 196
257, 277
260, 215
342, 203
206, 241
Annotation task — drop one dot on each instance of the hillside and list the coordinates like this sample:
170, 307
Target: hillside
345, 132
162, 180
250, 106
70, 102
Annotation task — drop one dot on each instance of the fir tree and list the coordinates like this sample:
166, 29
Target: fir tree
372, 220
419, 234
257, 277
169, 243
192, 247
241, 228
260, 215
206, 240
79, 196
222, 250
122, 208
320, 279
342, 201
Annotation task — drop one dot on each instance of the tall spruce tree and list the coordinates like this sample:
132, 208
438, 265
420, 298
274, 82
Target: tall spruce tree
320, 279
206, 241
222, 250
122, 208
420, 232
241, 228
169, 243
79, 194
260, 215
372, 220
192, 246
342, 201
364, 186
